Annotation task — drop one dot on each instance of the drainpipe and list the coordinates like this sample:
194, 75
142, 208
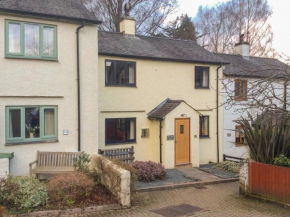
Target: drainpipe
160, 138
217, 113
285, 96
78, 84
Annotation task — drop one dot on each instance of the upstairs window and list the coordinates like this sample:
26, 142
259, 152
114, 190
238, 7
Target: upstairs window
204, 126
120, 130
30, 40
201, 77
240, 138
241, 89
120, 73
31, 123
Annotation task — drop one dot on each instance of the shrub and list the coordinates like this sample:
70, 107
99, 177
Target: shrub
266, 138
282, 161
149, 171
22, 193
68, 189
83, 163
228, 166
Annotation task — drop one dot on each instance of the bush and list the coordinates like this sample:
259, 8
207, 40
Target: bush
22, 193
228, 166
83, 163
149, 171
282, 161
68, 189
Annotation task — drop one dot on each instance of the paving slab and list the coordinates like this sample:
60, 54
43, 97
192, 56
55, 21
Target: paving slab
195, 173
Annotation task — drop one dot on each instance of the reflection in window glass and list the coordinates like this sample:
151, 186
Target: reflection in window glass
204, 126
120, 72
31, 40
14, 38
48, 41
131, 73
31, 122
110, 72
15, 123
110, 130
120, 130
49, 125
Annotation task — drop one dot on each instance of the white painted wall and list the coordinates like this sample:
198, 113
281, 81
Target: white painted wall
31, 79
4, 167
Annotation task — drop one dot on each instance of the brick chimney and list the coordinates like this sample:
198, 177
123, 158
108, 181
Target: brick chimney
127, 25
242, 48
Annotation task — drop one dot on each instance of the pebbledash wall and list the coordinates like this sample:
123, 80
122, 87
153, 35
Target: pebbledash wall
40, 82
156, 81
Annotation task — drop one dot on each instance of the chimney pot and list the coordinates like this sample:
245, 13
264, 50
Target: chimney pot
127, 25
242, 48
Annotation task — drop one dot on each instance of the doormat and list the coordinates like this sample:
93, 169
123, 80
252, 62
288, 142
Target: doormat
179, 210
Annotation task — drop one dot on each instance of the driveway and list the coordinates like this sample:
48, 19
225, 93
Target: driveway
221, 200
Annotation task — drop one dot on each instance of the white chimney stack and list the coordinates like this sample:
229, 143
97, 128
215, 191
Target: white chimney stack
242, 48
128, 24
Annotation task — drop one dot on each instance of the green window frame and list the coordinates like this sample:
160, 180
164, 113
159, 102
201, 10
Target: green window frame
23, 125
22, 54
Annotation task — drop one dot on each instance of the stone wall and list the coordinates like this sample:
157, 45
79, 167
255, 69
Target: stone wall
244, 177
117, 180
4, 167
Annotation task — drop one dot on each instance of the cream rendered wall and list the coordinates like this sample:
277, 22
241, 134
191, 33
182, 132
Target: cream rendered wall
156, 81
26, 82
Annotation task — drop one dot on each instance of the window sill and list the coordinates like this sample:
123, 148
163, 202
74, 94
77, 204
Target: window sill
108, 85
205, 88
204, 137
32, 142
122, 143
31, 58
240, 144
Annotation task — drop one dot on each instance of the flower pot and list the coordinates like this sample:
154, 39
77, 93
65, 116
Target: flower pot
31, 135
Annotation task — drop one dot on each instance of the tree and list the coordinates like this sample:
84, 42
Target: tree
181, 28
222, 24
150, 15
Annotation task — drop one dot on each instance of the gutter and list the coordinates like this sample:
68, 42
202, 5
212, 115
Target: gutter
78, 83
217, 113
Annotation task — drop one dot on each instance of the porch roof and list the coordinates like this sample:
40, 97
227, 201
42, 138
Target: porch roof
165, 108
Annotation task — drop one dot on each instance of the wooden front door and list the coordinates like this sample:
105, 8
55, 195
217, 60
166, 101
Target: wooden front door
182, 141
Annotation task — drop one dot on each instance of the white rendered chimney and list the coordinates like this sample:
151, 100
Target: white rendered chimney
127, 25
242, 48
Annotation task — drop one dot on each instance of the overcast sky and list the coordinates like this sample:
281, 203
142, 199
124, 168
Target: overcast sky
280, 20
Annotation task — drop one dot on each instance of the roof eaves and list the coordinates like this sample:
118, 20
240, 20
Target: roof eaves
51, 16
163, 59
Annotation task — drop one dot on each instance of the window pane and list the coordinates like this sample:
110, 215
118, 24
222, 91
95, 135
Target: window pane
204, 121
110, 72
237, 88
131, 130
110, 130
48, 41
198, 77
49, 125
14, 38
131, 73
120, 72
15, 123
31, 40
32, 122
205, 77
120, 130
181, 129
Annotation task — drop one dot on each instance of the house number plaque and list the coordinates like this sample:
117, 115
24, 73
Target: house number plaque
170, 137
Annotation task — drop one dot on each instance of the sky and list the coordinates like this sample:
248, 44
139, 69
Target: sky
280, 19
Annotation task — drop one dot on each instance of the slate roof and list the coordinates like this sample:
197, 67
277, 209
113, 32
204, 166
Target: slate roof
165, 108
156, 48
61, 9
256, 67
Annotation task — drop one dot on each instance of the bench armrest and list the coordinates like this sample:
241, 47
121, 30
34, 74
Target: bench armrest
30, 167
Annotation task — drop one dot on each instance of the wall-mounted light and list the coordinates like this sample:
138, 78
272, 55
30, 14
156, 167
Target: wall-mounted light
183, 115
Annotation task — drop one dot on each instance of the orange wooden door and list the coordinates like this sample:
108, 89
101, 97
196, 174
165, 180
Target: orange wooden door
182, 141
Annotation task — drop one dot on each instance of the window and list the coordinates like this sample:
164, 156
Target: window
31, 123
239, 133
30, 40
120, 73
241, 87
201, 77
120, 130
204, 126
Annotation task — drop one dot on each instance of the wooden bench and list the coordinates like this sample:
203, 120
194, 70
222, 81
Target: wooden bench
54, 163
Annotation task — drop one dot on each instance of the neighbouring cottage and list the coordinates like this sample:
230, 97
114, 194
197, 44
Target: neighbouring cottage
43, 104
159, 95
239, 77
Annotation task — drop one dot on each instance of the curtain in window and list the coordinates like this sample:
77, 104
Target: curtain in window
131, 74
31, 40
132, 130
48, 43
14, 38
205, 78
49, 122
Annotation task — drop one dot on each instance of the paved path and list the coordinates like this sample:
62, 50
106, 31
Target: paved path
220, 200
